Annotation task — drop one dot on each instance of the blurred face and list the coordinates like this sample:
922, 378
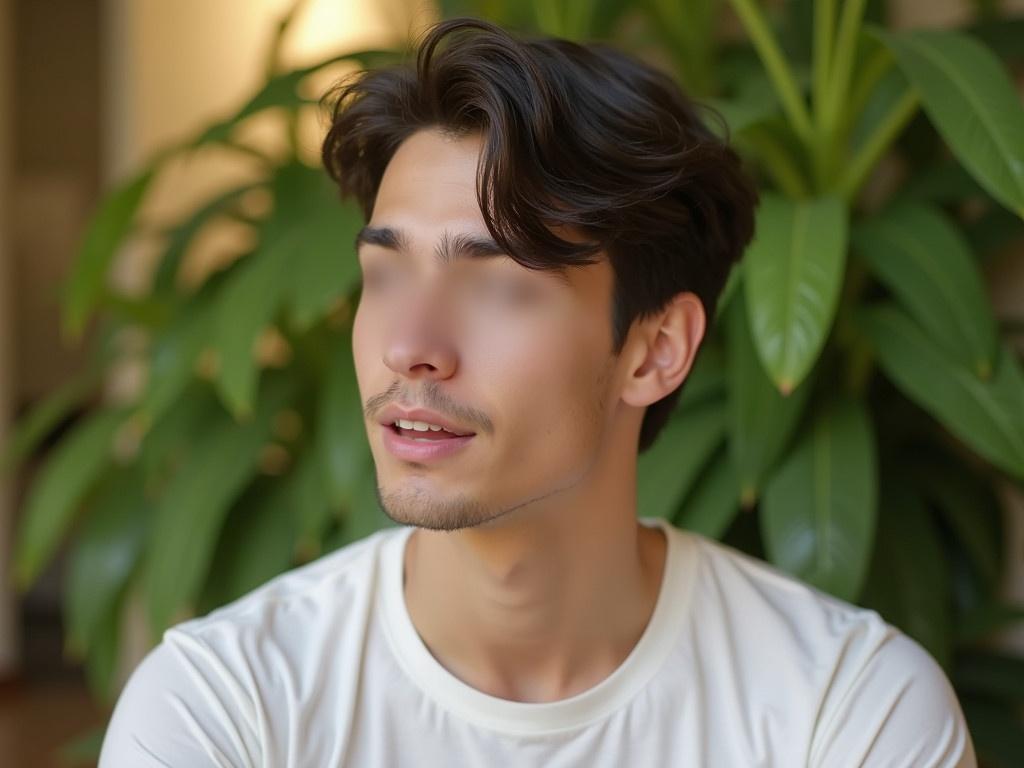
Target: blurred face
516, 361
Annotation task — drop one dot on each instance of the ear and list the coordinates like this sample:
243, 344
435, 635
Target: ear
664, 349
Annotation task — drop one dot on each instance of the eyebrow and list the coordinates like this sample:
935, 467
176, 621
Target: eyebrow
451, 247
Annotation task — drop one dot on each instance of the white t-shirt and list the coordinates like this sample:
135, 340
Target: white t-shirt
740, 665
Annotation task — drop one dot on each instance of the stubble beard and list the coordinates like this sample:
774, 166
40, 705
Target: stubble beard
425, 510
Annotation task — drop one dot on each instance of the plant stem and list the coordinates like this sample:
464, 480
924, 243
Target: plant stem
254, 152
842, 64
884, 134
834, 104
824, 28
689, 29
778, 163
860, 357
775, 63
277, 44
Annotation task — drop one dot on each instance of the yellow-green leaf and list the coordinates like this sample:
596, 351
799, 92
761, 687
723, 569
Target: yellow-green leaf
970, 98
792, 275
987, 415
53, 499
107, 230
923, 260
819, 508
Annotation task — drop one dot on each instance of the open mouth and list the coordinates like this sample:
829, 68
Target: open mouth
423, 446
425, 436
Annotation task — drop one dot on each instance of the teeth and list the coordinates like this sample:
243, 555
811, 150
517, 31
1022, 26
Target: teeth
419, 426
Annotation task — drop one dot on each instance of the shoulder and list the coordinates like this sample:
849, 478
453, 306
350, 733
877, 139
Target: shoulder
180, 706
204, 694
294, 604
894, 704
740, 584
876, 696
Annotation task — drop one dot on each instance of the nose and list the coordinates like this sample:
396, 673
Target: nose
418, 345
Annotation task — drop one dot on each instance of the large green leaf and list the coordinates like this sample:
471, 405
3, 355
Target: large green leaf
792, 277
168, 440
257, 542
323, 266
282, 91
761, 420
986, 415
819, 508
30, 430
706, 378
103, 557
193, 506
909, 581
714, 501
245, 308
341, 431
971, 100
667, 470
105, 233
309, 503
250, 300
102, 657
305, 258
181, 236
173, 356
56, 491
927, 264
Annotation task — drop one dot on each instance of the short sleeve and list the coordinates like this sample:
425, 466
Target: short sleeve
900, 711
181, 708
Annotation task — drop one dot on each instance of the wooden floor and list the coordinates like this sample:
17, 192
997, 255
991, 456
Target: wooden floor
37, 718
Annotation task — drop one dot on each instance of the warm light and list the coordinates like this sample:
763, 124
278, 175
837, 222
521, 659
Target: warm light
175, 68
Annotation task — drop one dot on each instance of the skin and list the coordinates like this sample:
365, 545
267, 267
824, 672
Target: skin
528, 576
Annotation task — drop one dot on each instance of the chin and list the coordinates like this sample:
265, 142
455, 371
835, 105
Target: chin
425, 509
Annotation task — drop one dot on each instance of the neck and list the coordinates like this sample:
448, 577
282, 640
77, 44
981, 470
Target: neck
537, 605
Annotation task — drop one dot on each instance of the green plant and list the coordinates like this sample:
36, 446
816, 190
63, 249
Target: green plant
848, 418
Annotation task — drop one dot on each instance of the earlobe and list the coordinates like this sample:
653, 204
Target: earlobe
666, 347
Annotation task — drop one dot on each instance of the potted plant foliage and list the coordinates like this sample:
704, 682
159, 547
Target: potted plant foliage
852, 412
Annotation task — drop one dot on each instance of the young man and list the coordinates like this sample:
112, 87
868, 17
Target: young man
548, 230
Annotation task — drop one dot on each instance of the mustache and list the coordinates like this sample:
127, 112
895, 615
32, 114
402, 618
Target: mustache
435, 399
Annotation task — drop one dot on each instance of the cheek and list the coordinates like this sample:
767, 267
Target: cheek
365, 347
540, 378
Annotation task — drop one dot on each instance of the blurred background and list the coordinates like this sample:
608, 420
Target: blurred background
92, 91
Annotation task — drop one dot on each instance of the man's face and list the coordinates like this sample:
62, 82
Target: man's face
521, 358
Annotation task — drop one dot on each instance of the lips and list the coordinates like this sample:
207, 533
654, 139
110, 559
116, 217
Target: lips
394, 413
422, 451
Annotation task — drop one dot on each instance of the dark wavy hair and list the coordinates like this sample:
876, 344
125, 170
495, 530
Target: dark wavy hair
578, 135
